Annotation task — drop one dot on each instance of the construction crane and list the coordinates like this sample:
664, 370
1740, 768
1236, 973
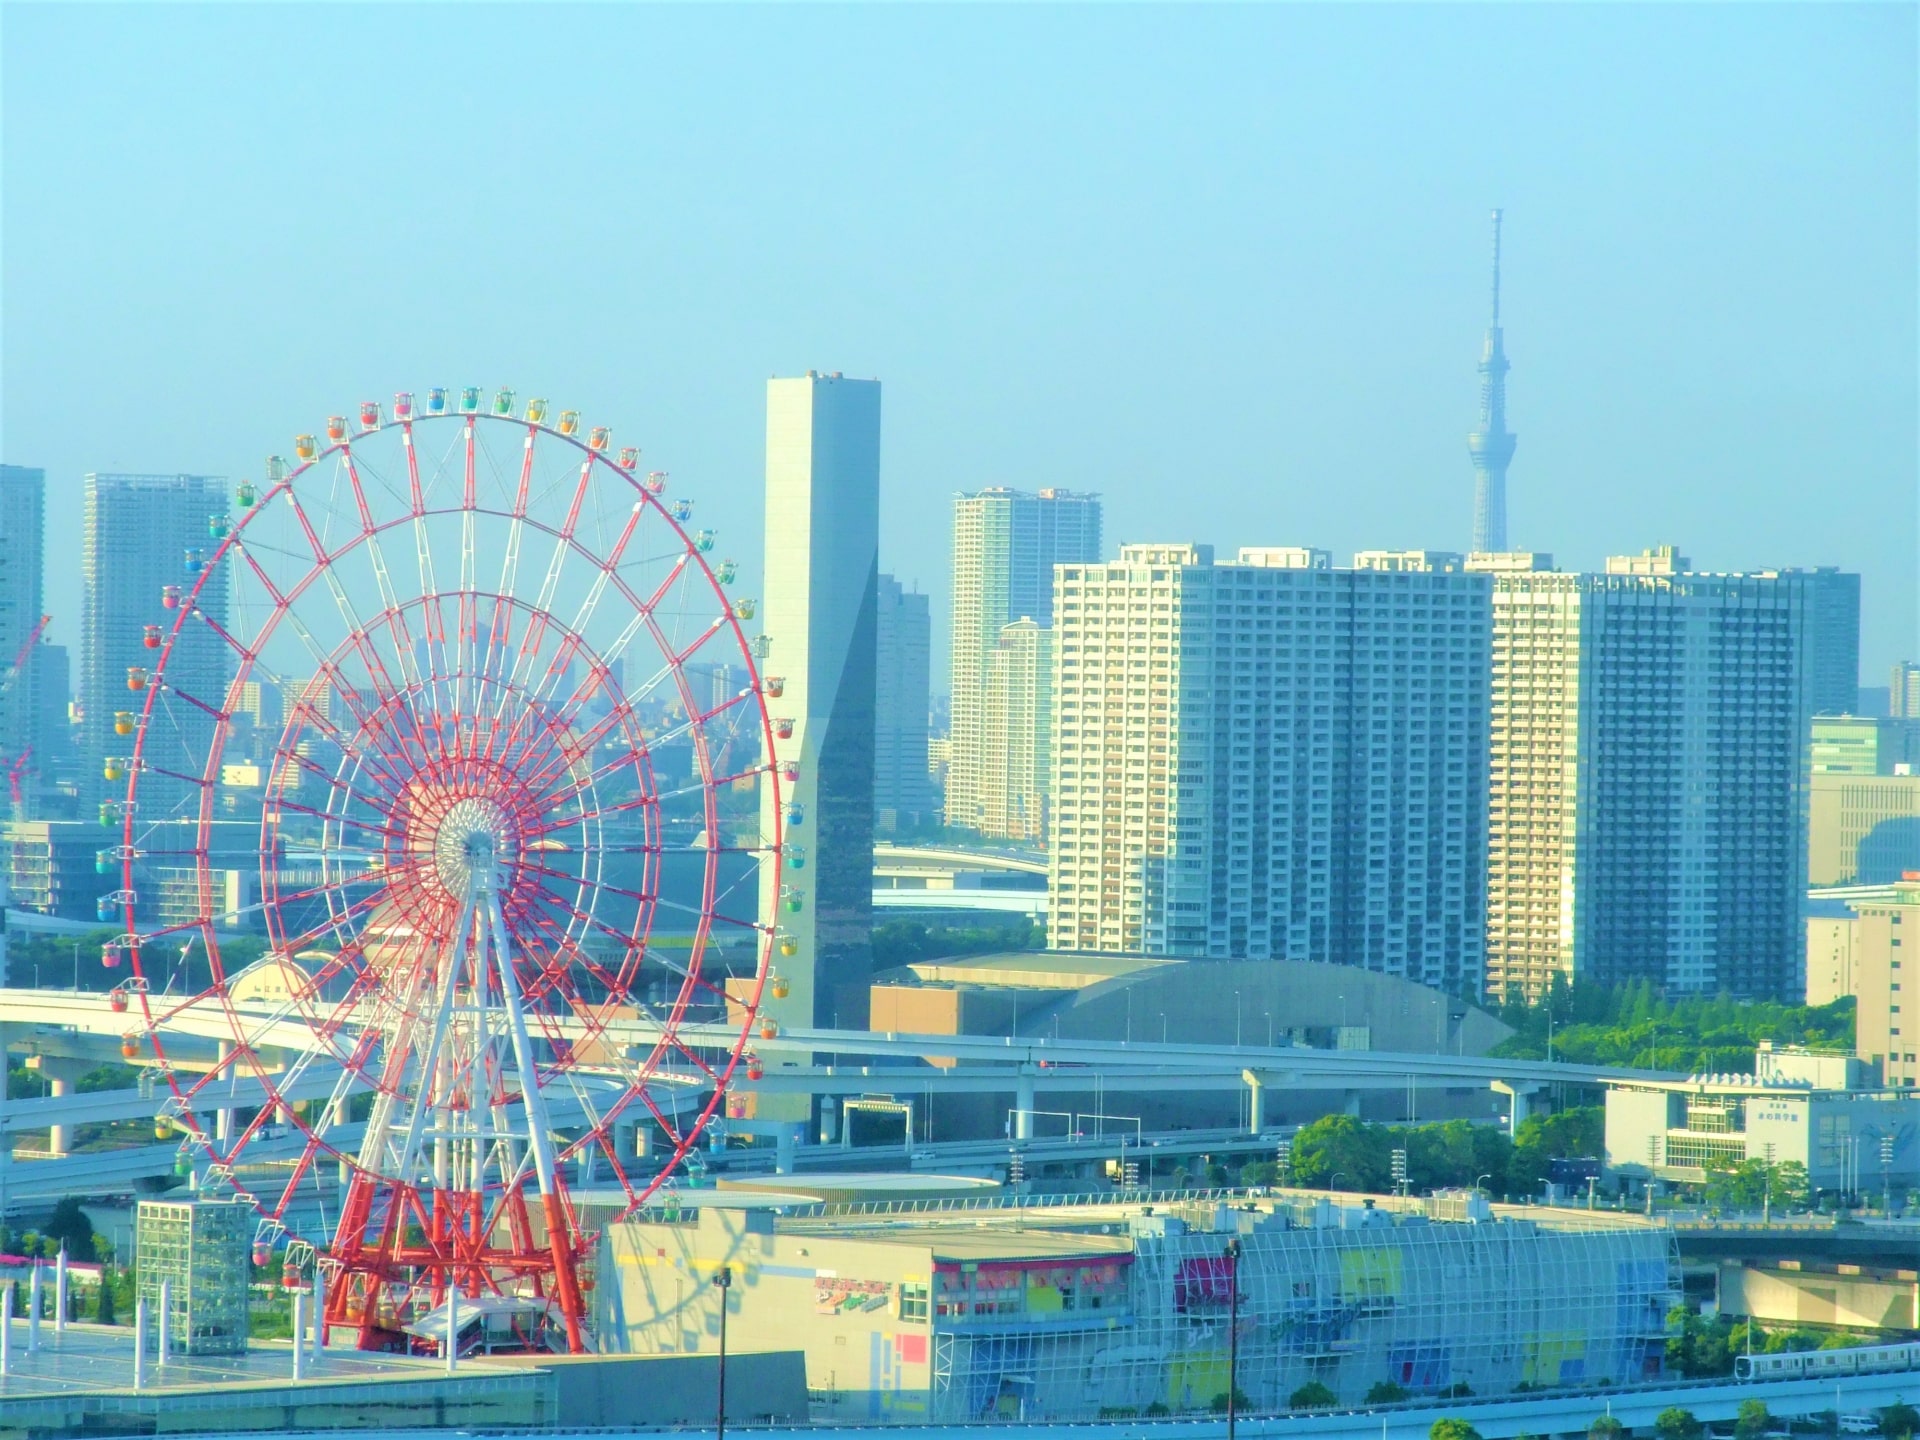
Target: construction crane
17, 765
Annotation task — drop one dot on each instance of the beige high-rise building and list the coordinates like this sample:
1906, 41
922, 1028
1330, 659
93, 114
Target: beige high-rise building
1862, 829
1017, 748
1887, 1020
1005, 546
1648, 788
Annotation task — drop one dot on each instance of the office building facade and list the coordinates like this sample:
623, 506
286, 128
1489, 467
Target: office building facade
902, 698
1648, 797
138, 532
1271, 758
1006, 544
23, 502
822, 578
1903, 689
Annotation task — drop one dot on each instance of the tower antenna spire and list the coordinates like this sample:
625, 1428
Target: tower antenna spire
1491, 443
1496, 267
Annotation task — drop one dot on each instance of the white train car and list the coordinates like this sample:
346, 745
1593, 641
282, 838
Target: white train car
1855, 1360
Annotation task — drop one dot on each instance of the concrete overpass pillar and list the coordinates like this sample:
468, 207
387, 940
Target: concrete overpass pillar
1023, 1107
61, 1073
223, 1119
783, 1148
1256, 1102
1522, 1093
1350, 1103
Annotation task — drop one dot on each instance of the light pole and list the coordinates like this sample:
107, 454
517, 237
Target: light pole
722, 1281
1233, 1332
1478, 1178
1236, 1019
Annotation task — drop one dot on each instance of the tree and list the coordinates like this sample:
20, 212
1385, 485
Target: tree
1752, 1420
1451, 1427
71, 1228
1899, 1422
1340, 1148
1605, 1427
1791, 1188
1386, 1392
1312, 1396
103, 1307
1673, 1423
1241, 1403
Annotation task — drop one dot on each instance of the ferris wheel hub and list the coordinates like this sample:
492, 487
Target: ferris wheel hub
468, 843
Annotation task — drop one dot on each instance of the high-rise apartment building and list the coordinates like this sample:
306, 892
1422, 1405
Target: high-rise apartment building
23, 503
1016, 750
1648, 804
1273, 758
1006, 544
822, 575
138, 530
902, 701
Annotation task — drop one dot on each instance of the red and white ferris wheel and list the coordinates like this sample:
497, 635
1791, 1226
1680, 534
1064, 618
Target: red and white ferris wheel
460, 706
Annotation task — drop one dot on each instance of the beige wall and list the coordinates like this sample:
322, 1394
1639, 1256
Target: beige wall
1845, 810
1890, 1302
1830, 943
1886, 983
838, 1300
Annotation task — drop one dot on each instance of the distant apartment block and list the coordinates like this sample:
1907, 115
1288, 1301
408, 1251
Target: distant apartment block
1903, 689
1648, 804
1006, 544
1270, 757
902, 788
1016, 750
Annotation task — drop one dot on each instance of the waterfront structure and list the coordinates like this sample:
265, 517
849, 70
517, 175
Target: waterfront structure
902, 702
822, 569
1272, 758
23, 500
1648, 798
1828, 1113
1883, 1033
1122, 1310
1016, 750
142, 533
1006, 544
1491, 444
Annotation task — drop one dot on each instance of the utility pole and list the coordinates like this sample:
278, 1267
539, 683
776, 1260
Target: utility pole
1886, 1175
1233, 1332
722, 1281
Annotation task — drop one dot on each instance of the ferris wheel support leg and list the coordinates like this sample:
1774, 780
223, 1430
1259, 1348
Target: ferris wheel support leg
559, 1238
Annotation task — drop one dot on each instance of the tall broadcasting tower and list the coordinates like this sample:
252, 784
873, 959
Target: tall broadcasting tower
1491, 444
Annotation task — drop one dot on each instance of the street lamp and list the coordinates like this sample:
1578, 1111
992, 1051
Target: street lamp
1478, 1178
1233, 1331
722, 1281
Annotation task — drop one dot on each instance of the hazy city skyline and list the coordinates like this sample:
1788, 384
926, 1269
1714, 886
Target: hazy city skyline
1238, 288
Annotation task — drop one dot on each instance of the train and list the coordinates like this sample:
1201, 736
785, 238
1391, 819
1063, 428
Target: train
1856, 1360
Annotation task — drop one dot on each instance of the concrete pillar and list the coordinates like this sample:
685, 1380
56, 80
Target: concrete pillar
1023, 1108
1350, 1103
60, 1293
784, 1144
139, 1344
60, 1073
299, 1335
1522, 1092
223, 1119
34, 1291
161, 1346
1256, 1102
6, 1328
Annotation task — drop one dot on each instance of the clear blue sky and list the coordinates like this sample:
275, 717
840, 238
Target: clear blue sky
1225, 265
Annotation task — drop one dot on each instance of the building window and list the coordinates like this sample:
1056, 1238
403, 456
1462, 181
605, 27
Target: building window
915, 1302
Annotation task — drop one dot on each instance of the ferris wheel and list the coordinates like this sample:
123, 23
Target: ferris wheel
459, 709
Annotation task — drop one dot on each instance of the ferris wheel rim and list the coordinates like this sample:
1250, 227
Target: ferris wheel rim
771, 846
